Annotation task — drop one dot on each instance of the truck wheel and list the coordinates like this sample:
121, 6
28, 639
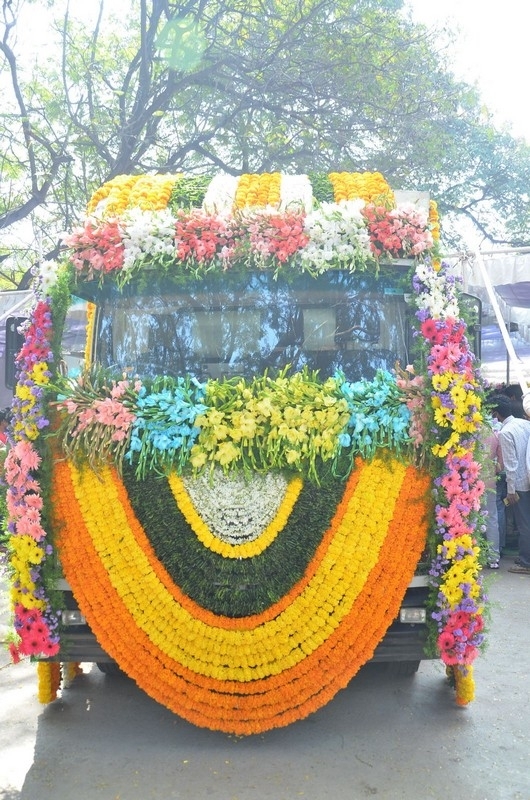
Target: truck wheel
403, 669
109, 668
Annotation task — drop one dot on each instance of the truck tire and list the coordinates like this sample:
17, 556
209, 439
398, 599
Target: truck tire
109, 668
403, 669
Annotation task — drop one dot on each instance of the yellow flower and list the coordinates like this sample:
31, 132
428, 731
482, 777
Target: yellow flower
32, 432
292, 456
441, 382
23, 392
226, 453
198, 457
37, 373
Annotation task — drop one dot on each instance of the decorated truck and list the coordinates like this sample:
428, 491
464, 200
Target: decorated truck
244, 455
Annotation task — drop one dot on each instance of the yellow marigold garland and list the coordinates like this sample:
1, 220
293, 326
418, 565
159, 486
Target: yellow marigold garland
434, 220
49, 681
464, 684
133, 580
258, 190
303, 684
237, 623
368, 186
115, 193
147, 192
54, 675
89, 337
70, 670
243, 550
152, 192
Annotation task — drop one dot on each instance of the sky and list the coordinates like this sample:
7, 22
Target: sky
491, 52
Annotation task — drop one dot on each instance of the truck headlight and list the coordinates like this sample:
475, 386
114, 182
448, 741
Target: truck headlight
72, 617
412, 615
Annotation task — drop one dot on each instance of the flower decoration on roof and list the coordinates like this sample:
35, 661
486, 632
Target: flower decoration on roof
266, 221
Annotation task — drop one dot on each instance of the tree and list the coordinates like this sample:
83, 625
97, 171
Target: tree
250, 85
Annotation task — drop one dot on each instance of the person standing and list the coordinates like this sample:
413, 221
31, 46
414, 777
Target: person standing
514, 438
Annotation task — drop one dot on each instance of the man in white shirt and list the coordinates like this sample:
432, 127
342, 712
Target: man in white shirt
514, 440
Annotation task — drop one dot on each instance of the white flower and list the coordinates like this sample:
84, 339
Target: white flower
296, 193
439, 298
237, 509
147, 233
220, 194
337, 235
46, 273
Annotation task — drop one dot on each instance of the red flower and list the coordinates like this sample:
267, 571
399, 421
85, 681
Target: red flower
429, 329
446, 641
15, 653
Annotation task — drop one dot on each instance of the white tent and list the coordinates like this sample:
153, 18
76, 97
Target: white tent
509, 273
501, 279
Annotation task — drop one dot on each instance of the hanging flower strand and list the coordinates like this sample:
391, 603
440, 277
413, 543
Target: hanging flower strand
457, 418
35, 621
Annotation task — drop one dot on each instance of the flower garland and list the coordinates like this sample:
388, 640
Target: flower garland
337, 237
258, 190
401, 232
213, 515
52, 675
49, 680
456, 406
288, 422
270, 675
146, 192
89, 336
369, 186
234, 587
35, 621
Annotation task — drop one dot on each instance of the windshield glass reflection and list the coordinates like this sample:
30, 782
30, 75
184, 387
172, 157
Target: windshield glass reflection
245, 324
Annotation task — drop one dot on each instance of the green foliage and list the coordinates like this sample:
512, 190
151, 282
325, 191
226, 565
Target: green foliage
233, 587
189, 192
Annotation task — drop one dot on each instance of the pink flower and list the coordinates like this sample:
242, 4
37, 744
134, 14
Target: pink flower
458, 619
33, 501
26, 454
29, 528
446, 641
452, 484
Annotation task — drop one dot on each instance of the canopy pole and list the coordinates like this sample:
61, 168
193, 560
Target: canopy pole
504, 332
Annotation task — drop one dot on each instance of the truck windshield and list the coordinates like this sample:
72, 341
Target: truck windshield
243, 324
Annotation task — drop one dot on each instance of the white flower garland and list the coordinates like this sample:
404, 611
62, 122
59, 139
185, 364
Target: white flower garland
296, 193
221, 193
237, 509
337, 236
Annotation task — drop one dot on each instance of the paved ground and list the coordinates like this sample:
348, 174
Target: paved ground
401, 739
